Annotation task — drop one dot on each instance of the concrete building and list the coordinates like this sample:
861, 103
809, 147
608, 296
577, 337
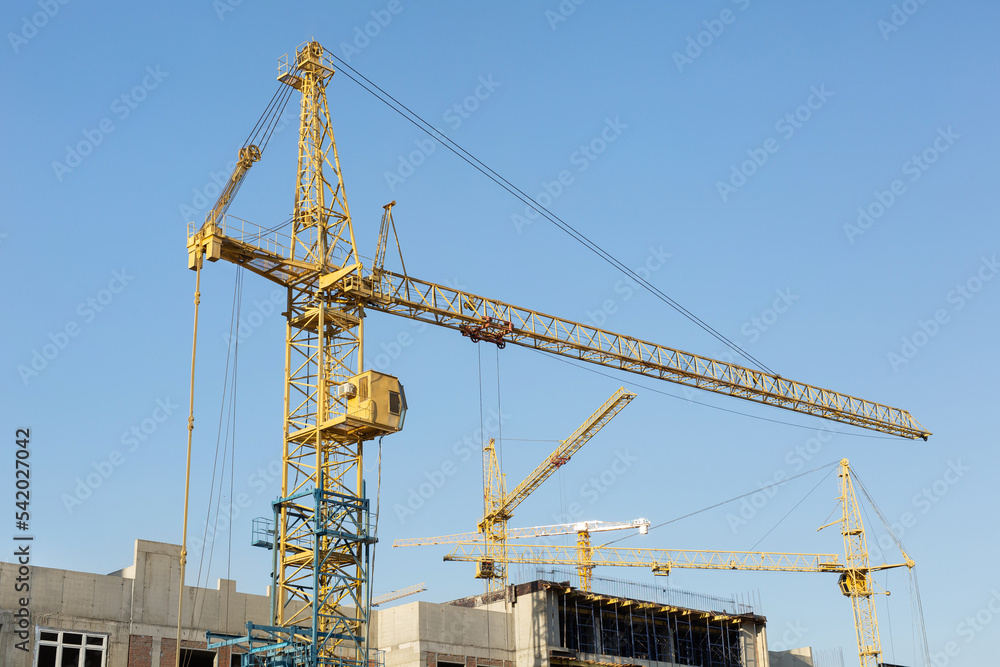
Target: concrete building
548, 624
128, 619
796, 657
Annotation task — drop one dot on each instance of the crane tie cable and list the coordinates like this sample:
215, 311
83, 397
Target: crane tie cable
726, 502
477, 164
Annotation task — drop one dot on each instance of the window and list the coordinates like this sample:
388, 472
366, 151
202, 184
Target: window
58, 648
191, 657
394, 403
363, 389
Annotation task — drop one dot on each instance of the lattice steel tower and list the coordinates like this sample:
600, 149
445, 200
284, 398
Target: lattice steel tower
322, 526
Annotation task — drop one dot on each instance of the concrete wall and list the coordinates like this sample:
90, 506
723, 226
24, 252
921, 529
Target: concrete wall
536, 628
796, 657
421, 634
754, 638
136, 607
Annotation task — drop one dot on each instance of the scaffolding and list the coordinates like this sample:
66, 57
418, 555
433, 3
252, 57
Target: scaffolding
624, 620
604, 626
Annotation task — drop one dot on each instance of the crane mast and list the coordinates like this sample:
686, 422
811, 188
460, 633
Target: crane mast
319, 576
332, 406
855, 581
323, 528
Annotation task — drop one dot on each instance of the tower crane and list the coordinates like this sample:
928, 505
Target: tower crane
855, 570
499, 505
489, 569
333, 406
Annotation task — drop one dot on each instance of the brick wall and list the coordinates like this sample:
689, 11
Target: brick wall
140, 649
168, 648
225, 655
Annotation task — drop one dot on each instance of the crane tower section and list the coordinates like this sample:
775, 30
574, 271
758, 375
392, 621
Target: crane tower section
323, 541
323, 529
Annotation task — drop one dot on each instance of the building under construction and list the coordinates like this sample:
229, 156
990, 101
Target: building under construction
128, 619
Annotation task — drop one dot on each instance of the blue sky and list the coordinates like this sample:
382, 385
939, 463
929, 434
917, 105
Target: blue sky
815, 181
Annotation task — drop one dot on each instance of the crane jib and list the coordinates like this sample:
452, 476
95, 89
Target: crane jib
445, 306
265, 252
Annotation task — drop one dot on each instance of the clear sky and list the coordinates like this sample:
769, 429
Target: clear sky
816, 180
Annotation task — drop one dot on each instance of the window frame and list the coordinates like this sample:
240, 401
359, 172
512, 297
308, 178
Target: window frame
59, 644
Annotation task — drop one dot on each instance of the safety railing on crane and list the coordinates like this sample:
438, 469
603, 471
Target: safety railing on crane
263, 238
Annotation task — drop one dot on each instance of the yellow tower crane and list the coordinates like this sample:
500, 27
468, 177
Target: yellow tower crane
332, 405
855, 571
499, 505
490, 569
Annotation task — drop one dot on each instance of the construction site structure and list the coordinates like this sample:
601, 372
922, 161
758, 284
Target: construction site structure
127, 619
498, 505
583, 529
855, 570
324, 528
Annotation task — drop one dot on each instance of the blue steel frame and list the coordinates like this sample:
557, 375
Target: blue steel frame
334, 518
